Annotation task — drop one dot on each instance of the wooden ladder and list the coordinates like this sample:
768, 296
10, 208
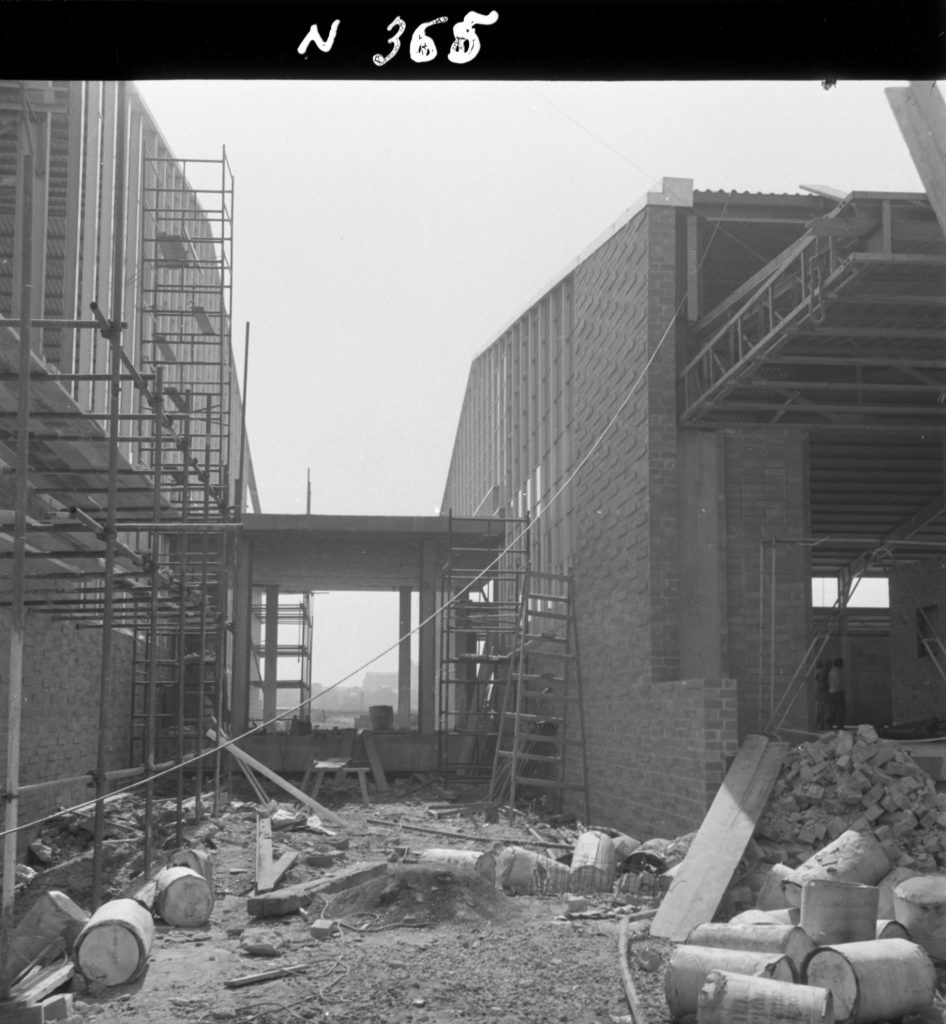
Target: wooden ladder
540, 740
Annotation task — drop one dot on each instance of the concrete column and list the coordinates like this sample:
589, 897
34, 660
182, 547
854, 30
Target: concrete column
427, 647
271, 654
404, 660
242, 637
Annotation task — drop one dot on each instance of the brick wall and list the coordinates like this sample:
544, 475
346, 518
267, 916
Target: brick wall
60, 726
656, 746
918, 688
766, 499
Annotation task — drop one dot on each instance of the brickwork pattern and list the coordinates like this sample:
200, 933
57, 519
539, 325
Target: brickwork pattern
918, 688
60, 710
766, 498
655, 746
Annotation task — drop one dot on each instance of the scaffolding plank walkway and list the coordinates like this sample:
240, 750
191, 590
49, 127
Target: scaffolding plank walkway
721, 840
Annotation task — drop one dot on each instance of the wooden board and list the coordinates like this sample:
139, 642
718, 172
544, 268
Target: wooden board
269, 873
921, 117
292, 898
323, 812
52, 923
377, 769
40, 982
718, 846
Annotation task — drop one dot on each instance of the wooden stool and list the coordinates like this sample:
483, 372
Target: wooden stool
340, 769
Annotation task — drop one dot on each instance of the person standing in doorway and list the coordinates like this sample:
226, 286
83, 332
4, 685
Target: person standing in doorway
837, 710
821, 694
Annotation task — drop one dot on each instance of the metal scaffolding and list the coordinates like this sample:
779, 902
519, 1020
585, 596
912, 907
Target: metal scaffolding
121, 429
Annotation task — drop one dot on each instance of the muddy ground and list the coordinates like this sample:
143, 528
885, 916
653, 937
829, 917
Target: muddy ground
423, 944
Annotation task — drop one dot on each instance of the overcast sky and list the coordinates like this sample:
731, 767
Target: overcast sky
384, 234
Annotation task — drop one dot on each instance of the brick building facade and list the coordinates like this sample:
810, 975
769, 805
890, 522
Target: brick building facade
690, 548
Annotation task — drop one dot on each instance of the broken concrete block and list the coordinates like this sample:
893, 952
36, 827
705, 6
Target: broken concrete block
323, 928
58, 1007
261, 942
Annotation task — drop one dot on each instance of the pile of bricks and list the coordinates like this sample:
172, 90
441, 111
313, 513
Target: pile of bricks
854, 781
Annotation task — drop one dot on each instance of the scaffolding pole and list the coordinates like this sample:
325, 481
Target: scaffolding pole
18, 611
115, 350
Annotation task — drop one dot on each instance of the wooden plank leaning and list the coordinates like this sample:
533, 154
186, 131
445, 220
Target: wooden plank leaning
242, 756
268, 872
371, 753
702, 878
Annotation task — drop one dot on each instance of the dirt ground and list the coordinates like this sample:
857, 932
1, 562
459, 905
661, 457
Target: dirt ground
422, 944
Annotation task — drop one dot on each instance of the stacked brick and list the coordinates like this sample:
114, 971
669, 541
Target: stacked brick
854, 781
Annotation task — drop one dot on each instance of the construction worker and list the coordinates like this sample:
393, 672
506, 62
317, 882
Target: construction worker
836, 703
821, 694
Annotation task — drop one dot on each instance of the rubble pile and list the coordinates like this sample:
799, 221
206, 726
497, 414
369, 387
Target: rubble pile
854, 781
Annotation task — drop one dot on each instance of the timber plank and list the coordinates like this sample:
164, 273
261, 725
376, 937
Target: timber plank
242, 756
268, 872
377, 768
708, 867
294, 897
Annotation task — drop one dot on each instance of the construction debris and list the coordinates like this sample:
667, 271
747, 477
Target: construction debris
47, 931
855, 781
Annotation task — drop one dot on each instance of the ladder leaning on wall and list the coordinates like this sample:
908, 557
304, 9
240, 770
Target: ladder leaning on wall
540, 742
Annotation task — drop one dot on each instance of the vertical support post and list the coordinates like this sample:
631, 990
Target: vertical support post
772, 629
183, 551
241, 479
18, 606
404, 659
220, 652
242, 637
114, 339
157, 463
202, 638
271, 659
427, 660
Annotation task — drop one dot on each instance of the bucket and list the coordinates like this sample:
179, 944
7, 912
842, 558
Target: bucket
755, 916
852, 857
886, 885
113, 948
593, 864
872, 981
196, 860
690, 965
771, 894
786, 915
525, 871
726, 997
183, 898
887, 929
761, 938
920, 905
833, 912
482, 864
381, 717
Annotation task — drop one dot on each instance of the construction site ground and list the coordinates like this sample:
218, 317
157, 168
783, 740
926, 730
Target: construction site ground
397, 936
422, 943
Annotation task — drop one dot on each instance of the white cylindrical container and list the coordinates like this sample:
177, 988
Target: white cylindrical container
113, 948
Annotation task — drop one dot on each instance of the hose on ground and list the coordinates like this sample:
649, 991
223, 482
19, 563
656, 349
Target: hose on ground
633, 1003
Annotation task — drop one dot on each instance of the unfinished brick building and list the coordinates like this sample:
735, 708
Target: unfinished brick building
123, 464
728, 397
